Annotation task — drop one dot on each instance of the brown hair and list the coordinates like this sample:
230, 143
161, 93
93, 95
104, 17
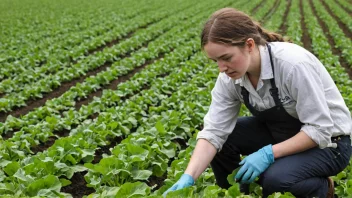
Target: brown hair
232, 27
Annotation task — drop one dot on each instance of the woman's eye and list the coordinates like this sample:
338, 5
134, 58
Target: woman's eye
227, 58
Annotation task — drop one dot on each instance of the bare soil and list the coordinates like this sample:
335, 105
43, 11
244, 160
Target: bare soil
283, 26
306, 40
156, 182
65, 86
113, 84
44, 146
342, 25
271, 11
335, 51
343, 7
78, 188
254, 10
106, 149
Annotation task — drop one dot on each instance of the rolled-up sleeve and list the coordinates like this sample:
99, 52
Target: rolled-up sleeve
221, 118
305, 84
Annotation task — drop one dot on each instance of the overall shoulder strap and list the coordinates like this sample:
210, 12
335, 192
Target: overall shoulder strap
274, 91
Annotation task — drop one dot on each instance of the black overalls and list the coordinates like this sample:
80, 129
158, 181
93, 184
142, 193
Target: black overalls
281, 125
306, 172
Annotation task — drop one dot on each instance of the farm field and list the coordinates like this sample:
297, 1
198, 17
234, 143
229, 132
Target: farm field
105, 98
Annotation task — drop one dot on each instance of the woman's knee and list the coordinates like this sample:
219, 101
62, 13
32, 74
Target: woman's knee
273, 181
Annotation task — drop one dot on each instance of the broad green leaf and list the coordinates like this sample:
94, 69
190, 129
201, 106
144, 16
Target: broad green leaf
125, 130
4, 162
137, 153
113, 125
65, 182
109, 192
7, 188
231, 177
159, 126
50, 182
212, 191
133, 121
141, 174
159, 168
255, 188
88, 155
21, 175
11, 168
170, 152
234, 190
131, 190
185, 192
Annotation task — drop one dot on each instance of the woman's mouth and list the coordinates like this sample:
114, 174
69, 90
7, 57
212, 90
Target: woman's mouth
231, 73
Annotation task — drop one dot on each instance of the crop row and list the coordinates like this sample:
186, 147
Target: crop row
63, 158
40, 82
33, 42
341, 13
55, 121
322, 49
345, 4
63, 142
340, 40
66, 102
177, 117
61, 53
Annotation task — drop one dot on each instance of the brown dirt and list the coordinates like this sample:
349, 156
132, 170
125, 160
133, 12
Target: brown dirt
64, 132
335, 51
51, 140
32, 104
8, 135
254, 10
44, 146
181, 142
78, 188
107, 45
106, 149
342, 26
113, 84
114, 42
283, 26
65, 86
343, 7
99, 48
306, 40
271, 11
157, 181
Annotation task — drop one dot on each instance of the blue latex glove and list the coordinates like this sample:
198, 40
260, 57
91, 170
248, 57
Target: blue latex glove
186, 180
255, 164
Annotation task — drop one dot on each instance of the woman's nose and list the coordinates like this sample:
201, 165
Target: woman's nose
222, 66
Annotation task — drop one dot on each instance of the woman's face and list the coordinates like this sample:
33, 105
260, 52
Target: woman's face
232, 60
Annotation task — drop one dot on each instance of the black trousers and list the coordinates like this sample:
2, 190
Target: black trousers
303, 174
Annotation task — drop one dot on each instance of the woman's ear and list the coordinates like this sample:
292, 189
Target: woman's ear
250, 44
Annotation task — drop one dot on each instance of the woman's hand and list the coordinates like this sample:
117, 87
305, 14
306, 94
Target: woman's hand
254, 164
186, 180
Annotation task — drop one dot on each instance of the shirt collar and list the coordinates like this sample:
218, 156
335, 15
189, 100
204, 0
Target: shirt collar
266, 71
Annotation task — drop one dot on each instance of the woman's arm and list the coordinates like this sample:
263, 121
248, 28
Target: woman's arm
203, 154
298, 143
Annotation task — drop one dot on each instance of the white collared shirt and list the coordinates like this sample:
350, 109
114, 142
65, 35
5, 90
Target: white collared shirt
306, 91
